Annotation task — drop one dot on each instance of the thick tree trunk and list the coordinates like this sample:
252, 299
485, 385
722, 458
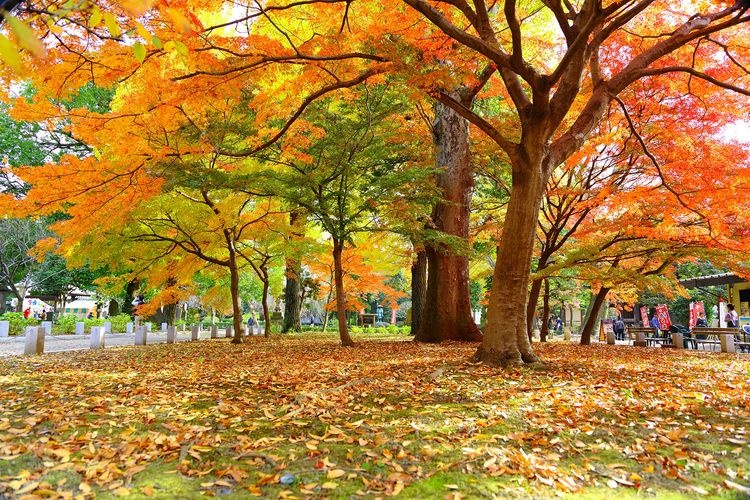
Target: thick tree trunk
447, 310
266, 310
292, 297
418, 290
595, 307
130, 289
534, 292
338, 272
234, 288
292, 292
506, 341
545, 312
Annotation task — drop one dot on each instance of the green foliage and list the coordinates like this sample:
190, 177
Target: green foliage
18, 323
119, 322
66, 323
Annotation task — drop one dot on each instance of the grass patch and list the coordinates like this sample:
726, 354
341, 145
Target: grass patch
383, 418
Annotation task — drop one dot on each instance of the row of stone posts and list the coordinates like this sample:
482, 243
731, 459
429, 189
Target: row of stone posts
35, 334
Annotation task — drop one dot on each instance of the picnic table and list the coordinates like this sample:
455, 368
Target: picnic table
728, 339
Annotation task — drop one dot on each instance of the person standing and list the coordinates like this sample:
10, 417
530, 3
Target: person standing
619, 328
732, 319
655, 324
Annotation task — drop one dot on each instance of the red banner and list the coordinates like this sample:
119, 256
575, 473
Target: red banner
662, 315
644, 316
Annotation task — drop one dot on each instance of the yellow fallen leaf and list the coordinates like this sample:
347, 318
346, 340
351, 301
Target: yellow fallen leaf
335, 474
329, 485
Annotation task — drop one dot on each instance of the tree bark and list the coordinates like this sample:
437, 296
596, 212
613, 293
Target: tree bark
506, 341
534, 292
130, 289
545, 312
266, 310
292, 297
234, 287
447, 309
292, 292
418, 290
596, 306
338, 272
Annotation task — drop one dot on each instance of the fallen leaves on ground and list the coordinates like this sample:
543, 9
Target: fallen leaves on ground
299, 416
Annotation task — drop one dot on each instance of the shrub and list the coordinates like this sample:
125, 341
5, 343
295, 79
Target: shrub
66, 323
119, 322
17, 322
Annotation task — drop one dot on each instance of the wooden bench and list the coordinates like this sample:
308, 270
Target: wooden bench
645, 336
723, 337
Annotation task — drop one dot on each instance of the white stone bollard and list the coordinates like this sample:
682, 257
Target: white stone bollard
610, 338
34, 340
164, 327
47, 325
566, 333
97, 337
214, 332
137, 321
80, 328
128, 327
107, 327
171, 334
4, 328
195, 332
141, 334
536, 334
148, 327
229, 332
677, 340
727, 343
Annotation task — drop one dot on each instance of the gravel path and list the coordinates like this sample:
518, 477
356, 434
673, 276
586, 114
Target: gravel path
12, 346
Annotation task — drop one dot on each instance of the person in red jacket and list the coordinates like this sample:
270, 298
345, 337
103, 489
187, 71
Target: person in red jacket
27, 313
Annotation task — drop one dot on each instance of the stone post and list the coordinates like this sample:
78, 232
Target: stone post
164, 327
129, 327
4, 328
610, 338
137, 321
536, 334
141, 333
107, 327
214, 332
47, 325
229, 332
34, 340
97, 337
195, 332
566, 333
727, 343
148, 326
171, 334
80, 328
677, 340
640, 339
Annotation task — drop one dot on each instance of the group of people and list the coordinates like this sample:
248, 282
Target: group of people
37, 315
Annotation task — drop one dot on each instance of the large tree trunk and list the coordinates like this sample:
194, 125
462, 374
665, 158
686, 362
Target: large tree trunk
266, 309
545, 312
130, 289
534, 292
418, 290
506, 341
292, 297
338, 272
447, 310
593, 313
292, 292
234, 288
